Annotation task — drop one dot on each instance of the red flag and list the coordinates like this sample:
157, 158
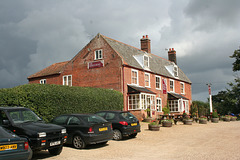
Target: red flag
164, 86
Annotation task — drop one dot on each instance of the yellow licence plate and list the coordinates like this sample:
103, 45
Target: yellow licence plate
8, 147
133, 124
103, 129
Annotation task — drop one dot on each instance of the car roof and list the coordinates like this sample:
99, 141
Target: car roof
77, 114
12, 108
117, 111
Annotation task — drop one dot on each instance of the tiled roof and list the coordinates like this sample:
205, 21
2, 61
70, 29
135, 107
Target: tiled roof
55, 68
157, 64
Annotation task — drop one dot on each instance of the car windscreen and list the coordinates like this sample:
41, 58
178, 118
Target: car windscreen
127, 116
92, 119
22, 116
6, 134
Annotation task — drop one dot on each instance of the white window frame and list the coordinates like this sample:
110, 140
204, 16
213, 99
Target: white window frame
175, 71
146, 61
144, 101
158, 82
178, 105
182, 84
67, 83
173, 85
136, 71
148, 80
98, 54
43, 81
159, 105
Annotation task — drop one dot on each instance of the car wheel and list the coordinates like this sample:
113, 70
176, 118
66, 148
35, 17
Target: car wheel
55, 151
78, 142
133, 135
117, 135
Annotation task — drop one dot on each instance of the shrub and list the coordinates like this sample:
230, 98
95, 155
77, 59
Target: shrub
49, 100
214, 114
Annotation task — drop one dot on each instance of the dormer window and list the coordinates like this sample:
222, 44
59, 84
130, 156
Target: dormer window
146, 61
175, 71
98, 54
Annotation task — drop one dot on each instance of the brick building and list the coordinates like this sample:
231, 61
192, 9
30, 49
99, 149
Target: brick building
146, 80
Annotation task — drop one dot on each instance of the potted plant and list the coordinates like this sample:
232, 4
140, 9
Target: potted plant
233, 118
148, 119
215, 117
154, 125
187, 120
203, 120
167, 122
227, 118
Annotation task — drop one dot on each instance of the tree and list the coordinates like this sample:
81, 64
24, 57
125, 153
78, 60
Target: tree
229, 101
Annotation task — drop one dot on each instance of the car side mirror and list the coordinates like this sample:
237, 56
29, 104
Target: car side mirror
6, 122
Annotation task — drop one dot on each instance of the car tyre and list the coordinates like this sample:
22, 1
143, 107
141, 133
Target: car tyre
55, 151
117, 135
78, 142
133, 135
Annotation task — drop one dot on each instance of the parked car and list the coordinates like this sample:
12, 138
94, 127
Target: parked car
25, 123
85, 129
13, 147
124, 123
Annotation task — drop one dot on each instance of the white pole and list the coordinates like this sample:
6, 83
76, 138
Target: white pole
210, 101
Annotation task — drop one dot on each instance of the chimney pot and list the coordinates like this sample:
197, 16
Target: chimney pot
173, 49
143, 37
170, 49
147, 36
146, 44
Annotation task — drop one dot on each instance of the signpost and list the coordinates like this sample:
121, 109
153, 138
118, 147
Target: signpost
210, 97
164, 86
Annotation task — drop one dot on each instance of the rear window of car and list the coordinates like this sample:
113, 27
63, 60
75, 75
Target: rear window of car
6, 134
127, 115
92, 119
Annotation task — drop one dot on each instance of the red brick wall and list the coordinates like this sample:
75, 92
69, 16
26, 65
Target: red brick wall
53, 79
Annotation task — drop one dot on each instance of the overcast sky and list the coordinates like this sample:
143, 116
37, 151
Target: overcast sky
35, 34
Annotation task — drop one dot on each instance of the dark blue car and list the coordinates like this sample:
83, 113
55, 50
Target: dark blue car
13, 147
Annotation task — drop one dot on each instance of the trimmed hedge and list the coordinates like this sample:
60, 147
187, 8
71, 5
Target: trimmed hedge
49, 100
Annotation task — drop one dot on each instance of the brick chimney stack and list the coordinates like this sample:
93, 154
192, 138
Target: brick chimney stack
172, 55
146, 44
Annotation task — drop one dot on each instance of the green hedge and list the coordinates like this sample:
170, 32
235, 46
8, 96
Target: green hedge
49, 101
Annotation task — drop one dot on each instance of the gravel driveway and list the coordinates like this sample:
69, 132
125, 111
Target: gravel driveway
182, 142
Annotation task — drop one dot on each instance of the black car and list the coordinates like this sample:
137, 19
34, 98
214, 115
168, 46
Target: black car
85, 129
13, 147
124, 123
25, 123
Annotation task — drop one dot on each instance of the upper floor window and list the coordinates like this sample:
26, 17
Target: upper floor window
172, 86
147, 79
43, 81
182, 88
98, 54
158, 82
134, 77
146, 61
67, 80
175, 71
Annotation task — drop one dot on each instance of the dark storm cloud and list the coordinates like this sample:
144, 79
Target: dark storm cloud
34, 34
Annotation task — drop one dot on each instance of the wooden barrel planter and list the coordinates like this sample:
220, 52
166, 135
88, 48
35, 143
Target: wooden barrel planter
226, 119
187, 122
167, 123
214, 120
202, 121
154, 127
233, 118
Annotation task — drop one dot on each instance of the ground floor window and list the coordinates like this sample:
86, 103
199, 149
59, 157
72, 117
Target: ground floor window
179, 105
67, 80
141, 101
159, 104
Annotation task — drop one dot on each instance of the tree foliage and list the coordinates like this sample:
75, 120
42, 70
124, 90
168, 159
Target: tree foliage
200, 108
50, 100
229, 101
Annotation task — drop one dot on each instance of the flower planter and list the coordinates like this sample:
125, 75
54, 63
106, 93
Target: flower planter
202, 121
233, 118
187, 122
167, 124
214, 120
147, 120
154, 127
226, 119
